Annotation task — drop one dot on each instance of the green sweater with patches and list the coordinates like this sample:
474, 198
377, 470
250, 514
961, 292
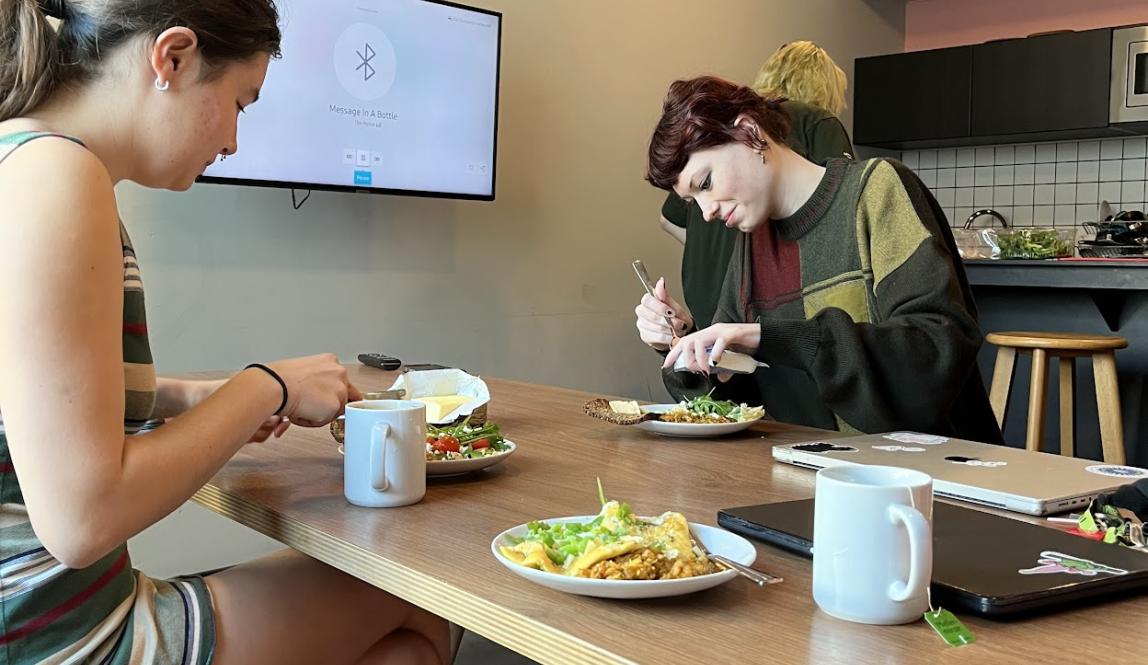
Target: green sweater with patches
867, 319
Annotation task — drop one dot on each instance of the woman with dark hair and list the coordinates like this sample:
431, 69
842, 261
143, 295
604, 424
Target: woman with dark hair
843, 278
804, 87
93, 93
812, 88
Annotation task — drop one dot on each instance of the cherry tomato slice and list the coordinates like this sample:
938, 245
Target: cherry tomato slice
448, 443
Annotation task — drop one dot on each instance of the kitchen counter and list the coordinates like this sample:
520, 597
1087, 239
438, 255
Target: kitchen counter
1076, 274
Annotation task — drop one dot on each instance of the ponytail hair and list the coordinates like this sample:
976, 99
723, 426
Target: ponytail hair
29, 55
49, 44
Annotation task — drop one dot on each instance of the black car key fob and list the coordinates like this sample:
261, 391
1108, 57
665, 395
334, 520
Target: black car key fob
380, 361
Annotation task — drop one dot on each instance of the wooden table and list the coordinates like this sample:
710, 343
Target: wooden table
436, 553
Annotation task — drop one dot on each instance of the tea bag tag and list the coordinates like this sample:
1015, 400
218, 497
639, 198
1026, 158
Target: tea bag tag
949, 627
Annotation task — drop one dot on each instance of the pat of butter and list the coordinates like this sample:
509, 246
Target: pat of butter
625, 408
439, 407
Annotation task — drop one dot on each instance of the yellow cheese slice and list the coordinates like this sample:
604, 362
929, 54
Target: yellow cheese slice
439, 407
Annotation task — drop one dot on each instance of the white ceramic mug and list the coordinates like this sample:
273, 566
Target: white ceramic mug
384, 464
873, 543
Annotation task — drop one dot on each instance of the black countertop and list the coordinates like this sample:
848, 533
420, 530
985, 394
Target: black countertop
1053, 274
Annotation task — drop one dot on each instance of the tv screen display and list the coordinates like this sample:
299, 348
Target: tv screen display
384, 96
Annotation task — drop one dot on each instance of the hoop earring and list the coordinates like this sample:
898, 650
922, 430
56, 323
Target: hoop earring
162, 87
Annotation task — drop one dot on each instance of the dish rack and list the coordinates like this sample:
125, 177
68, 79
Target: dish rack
1091, 250
1120, 237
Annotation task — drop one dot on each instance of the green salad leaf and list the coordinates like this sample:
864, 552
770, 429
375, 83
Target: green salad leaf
706, 404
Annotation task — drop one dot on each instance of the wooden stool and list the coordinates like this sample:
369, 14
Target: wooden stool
1066, 347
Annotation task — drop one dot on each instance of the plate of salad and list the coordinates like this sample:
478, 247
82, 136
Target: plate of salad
700, 417
453, 450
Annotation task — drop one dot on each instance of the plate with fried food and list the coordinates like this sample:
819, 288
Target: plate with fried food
617, 554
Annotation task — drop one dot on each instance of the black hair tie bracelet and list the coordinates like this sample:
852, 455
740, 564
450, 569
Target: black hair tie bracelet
274, 375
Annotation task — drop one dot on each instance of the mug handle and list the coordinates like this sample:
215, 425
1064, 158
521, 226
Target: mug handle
377, 456
920, 552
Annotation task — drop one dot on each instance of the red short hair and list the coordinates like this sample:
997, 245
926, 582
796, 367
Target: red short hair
699, 114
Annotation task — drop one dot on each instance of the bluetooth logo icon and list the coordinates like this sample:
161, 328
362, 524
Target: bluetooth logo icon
364, 62
365, 59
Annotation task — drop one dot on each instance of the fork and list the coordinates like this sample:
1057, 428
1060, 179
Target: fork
756, 576
643, 275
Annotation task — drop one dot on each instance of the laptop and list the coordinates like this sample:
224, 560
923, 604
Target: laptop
984, 564
1012, 479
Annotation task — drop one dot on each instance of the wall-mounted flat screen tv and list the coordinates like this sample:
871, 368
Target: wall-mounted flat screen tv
382, 96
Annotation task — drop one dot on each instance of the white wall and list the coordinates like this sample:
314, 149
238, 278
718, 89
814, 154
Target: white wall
534, 286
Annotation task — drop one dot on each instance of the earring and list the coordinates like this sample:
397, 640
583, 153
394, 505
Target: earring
162, 87
762, 153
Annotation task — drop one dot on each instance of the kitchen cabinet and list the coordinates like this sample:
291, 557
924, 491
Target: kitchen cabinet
1044, 88
1051, 83
912, 96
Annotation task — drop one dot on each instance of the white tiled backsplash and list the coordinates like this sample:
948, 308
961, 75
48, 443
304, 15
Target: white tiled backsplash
1041, 184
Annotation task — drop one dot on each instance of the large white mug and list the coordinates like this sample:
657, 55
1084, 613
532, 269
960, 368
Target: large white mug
873, 543
385, 462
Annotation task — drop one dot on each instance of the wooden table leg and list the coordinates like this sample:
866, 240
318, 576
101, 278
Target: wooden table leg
1067, 383
1036, 390
1002, 382
1108, 406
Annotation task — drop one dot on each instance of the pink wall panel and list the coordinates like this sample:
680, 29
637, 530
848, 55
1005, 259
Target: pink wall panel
939, 23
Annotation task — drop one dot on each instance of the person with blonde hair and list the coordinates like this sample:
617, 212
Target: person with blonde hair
805, 83
803, 71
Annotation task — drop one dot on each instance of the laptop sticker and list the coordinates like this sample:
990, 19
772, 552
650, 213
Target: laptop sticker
1117, 471
973, 461
899, 449
822, 447
916, 438
1051, 563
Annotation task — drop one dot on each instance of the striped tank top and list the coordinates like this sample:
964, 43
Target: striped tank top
106, 612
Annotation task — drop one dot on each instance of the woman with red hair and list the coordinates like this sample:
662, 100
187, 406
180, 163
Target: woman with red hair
843, 279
